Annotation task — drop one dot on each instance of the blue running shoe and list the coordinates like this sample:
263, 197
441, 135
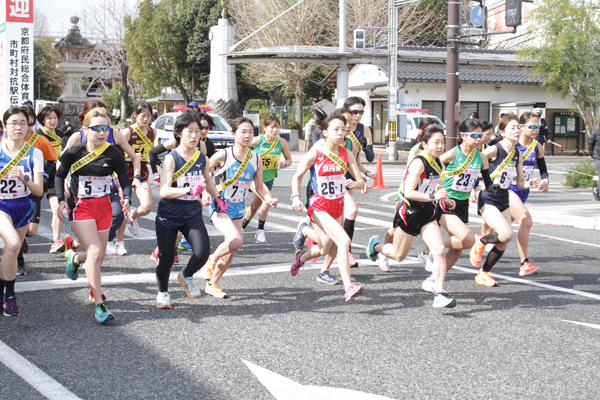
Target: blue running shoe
72, 268
300, 237
184, 245
371, 253
442, 300
326, 277
102, 314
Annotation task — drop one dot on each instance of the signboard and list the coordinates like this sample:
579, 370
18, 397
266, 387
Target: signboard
513, 12
477, 16
16, 53
565, 124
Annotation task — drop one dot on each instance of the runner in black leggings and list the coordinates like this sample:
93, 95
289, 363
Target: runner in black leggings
185, 175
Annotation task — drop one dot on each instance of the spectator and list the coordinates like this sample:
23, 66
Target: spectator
594, 149
154, 115
29, 103
474, 115
543, 135
194, 106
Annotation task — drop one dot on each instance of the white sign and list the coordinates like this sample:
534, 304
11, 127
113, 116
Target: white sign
408, 106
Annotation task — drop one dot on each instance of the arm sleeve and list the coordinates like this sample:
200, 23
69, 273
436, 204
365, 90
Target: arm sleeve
121, 170
369, 153
61, 174
487, 179
153, 157
543, 168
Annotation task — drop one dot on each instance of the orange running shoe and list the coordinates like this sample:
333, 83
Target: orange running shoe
477, 252
485, 279
208, 269
529, 269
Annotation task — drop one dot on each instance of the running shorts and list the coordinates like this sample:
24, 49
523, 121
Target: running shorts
335, 207
270, 184
234, 210
143, 171
461, 210
95, 209
20, 210
522, 193
498, 200
411, 219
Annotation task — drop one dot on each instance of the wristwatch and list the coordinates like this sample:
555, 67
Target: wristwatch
432, 197
26, 178
189, 190
141, 178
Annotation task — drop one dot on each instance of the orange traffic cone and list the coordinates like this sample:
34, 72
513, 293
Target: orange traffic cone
378, 184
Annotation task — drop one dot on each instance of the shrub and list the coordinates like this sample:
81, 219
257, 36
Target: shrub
578, 180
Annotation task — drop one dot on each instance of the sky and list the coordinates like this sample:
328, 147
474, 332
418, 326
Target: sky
57, 11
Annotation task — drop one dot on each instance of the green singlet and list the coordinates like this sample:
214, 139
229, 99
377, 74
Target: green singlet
271, 160
459, 187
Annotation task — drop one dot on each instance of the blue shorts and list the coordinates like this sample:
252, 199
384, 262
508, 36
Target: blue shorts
20, 210
522, 193
270, 184
234, 210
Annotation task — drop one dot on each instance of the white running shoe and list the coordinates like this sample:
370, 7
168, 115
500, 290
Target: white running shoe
429, 286
427, 260
383, 263
163, 300
134, 227
260, 236
120, 247
110, 249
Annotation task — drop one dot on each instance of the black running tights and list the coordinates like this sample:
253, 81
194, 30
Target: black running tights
195, 233
117, 214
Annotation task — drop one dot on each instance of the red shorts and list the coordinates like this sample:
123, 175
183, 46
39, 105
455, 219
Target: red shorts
99, 210
335, 208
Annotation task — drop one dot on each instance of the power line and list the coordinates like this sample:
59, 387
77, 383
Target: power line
48, 15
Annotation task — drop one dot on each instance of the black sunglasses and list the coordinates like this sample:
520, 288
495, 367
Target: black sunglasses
31, 124
357, 112
99, 128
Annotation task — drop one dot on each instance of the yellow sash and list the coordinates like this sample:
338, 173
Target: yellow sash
530, 149
16, 160
356, 142
56, 140
270, 149
462, 167
238, 173
335, 159
90, 157
501, 167
433, 164
33, 138
186, 167
148, 144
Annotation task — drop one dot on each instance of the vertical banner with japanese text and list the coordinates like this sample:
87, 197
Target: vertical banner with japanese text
16, 53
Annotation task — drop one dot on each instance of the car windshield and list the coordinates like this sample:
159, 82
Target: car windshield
439, 122
220, 124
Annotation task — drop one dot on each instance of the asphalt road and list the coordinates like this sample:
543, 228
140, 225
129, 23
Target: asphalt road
287, 337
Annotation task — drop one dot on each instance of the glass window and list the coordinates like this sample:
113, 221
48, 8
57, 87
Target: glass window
160, 123
437, 108
220, 124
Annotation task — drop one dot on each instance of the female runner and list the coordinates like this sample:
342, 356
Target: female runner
141, 138
48, 116
532, 152
237, 168
92, 165
463, 163
421, 189
328, 162
269, 147
21, 176
50, 157
114, 138
506, 163
185, 175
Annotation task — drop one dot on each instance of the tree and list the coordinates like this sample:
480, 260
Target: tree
46, 77
566, 52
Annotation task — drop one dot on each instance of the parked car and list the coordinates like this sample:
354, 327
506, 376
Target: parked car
413, 119
221, 136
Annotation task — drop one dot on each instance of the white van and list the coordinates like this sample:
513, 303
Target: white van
413, 119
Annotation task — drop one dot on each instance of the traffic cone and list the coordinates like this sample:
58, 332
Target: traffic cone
378, 184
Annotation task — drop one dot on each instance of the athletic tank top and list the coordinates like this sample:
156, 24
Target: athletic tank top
236, 193
194, 176
327, 177
270, 161
528, 163
139, 146
428, 180
510, 171
459, 187
10, 186
110, 139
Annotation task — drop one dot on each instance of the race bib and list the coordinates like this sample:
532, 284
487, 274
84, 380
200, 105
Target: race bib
506, 177
331, 187
94, 186
465, 181
270, 161
12, 188
428, 186
236, 193
190, 181
143, 149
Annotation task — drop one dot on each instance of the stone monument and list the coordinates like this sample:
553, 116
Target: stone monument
75, 49
222, 88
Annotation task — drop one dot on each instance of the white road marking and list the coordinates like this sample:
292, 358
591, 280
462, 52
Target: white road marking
386, 197
582, 323
564, 240
34, 376
283, 388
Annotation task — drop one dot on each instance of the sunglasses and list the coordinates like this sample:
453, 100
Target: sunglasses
532, 126
474, 135
100, 128
31, 124
205, 128
357, 112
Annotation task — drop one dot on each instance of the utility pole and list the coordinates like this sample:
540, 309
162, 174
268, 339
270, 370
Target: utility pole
452, 104
392, 80
342, 71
